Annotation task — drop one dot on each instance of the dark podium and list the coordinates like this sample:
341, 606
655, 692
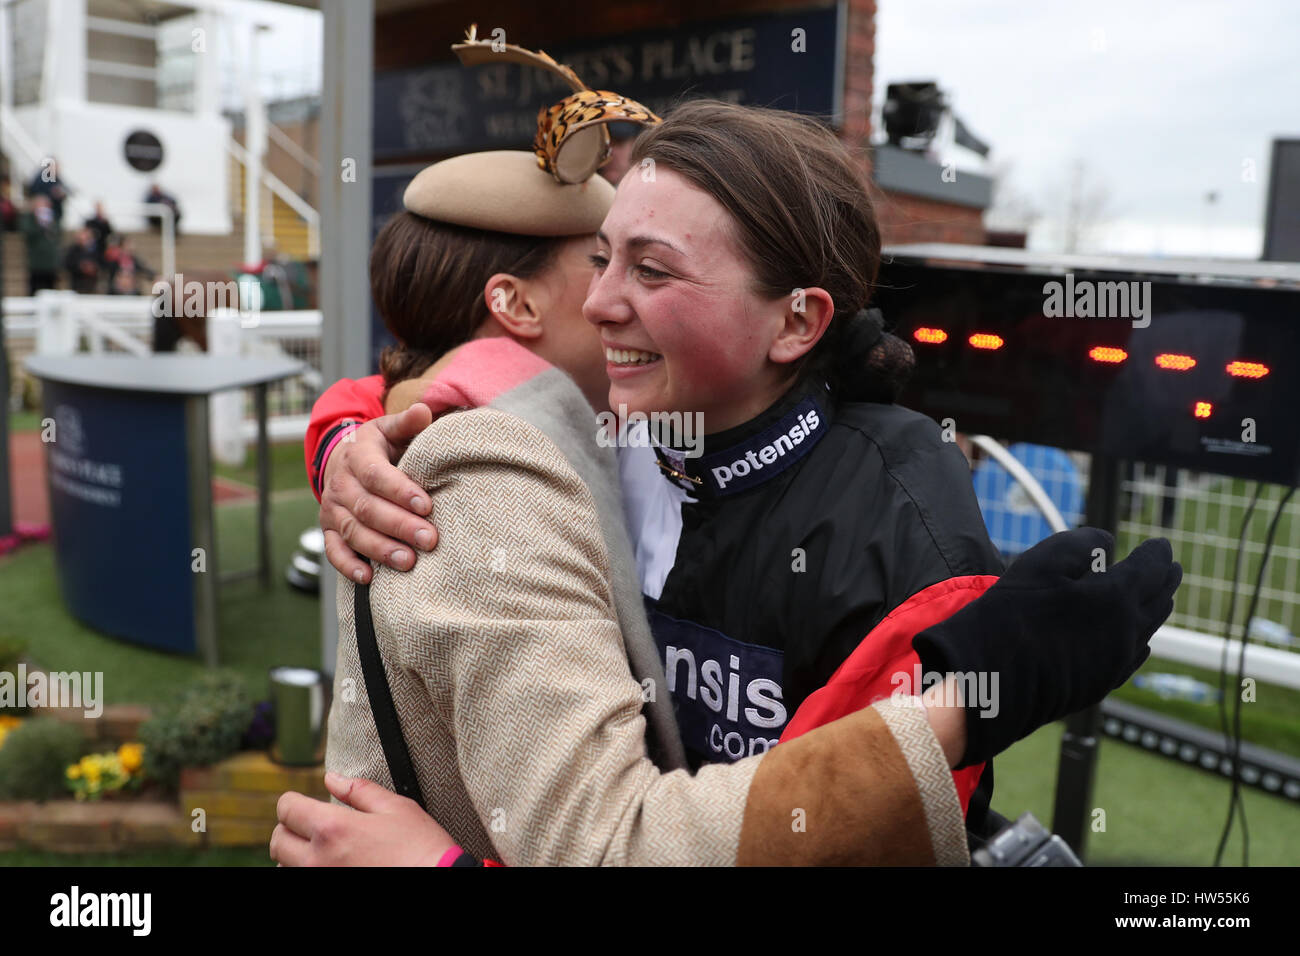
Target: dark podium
130, 472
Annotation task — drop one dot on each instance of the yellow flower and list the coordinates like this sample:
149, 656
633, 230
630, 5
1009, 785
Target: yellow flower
131, 756
74, 772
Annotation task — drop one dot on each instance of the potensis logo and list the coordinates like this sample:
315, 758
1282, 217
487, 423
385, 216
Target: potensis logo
74, 909
755, 459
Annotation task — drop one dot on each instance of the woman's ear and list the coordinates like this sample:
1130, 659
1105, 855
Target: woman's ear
808, 314
511, 304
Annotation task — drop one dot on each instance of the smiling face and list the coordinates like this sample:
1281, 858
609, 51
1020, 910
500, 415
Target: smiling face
673, 300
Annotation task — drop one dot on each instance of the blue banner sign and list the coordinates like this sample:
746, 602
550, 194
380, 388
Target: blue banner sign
789, 60
120, 511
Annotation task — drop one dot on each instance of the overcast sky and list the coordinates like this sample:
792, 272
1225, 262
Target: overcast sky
1163, 101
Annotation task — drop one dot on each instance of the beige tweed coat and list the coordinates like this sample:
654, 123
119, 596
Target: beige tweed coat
505, 651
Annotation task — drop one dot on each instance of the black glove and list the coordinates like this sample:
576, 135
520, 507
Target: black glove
1058, 635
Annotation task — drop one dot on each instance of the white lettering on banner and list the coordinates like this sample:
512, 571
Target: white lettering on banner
761, 692
94, 481
95, 472
671, 658
724, 697
768, 454
721, 743
99, 496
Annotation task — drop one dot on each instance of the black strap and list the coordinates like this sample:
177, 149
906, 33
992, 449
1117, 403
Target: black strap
400, 767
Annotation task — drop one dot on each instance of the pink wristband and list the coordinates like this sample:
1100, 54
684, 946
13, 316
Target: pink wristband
451, 856
329, 450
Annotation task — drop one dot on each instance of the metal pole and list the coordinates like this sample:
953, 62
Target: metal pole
263, 489
1077, 767
255, 150
168, 241
345, 141
6, 511
202, 526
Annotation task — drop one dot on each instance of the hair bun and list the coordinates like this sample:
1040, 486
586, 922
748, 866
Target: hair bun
871, 364
861, 333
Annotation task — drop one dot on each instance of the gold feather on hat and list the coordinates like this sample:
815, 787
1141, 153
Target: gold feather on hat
475, 52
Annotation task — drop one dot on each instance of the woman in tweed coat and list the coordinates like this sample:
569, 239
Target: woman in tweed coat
482, 657
518, 653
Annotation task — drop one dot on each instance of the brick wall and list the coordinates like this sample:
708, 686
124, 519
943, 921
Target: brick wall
237, 798
913, 219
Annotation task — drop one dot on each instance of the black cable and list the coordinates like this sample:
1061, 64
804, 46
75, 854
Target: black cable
1223, 654
1232, 610
1235, 799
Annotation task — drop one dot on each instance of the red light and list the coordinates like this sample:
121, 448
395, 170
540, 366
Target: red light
1104, 353
1203, 409
986, 340
930, 336
1176, 363
1247, 369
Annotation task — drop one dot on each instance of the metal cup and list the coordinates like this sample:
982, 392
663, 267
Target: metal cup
300, 703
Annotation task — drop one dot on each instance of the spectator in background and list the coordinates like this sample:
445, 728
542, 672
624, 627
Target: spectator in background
102, 228
126, 271
46, 183
82, 263
42, 234
156, 195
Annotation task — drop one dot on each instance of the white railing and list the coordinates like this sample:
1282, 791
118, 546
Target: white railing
23, 151
290, 198
60, 320
283, 140
56, 322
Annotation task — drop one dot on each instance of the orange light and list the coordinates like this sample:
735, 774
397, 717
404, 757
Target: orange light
930, 336
1176, 363
1203, 409
985, 340
1104, 353
1247, 369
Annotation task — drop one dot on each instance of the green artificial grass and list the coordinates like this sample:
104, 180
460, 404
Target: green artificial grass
1158, 812
258, 629
288, 473
24, 421
1271, 720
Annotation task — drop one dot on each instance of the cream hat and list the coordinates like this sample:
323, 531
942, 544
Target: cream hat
506, 191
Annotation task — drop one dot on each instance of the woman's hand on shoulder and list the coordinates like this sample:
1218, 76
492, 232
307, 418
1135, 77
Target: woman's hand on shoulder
368, 504
376, 828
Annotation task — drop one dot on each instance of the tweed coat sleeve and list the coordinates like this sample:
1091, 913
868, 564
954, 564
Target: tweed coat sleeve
509, 628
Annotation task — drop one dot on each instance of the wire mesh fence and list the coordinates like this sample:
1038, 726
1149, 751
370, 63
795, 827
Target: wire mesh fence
1200, 513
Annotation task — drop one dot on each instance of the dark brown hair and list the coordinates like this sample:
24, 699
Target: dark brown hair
427, 281
802, 217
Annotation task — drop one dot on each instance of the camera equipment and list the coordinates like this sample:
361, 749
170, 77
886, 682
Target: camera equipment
1025, 843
